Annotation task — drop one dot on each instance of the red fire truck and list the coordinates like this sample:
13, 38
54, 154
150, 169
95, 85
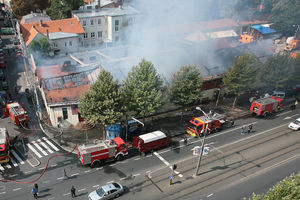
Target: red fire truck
101, 151
151, 141
4, 146
266, 106
198, 124
17, 113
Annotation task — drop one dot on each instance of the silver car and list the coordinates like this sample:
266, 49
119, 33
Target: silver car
108, 191
295, 125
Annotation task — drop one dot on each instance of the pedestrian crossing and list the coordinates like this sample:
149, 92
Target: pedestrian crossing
39, 148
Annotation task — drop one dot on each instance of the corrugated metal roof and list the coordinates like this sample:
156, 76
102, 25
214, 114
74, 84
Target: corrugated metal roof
263, 29
60, 35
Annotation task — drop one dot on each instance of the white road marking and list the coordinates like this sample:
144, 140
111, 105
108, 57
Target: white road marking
46, 181
96, 186
167, 163
44, 145
41, 168
75, 174
1, 168
34, 151
283, 113
87, 171
66, 194
13, 175
2, 192
137, 158
109, 182
16, 189
113, 164
51, 198
17, 157
27, 172
82, 189
136, 174
60, 178
54, 165
147, 172
39, 148
13, 162
52, 145
122, 178
99, 168
7, 165
210, 195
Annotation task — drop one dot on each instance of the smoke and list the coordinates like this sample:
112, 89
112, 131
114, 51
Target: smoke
160, 31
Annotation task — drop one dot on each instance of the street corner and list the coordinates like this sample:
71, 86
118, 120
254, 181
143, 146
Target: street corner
33, 161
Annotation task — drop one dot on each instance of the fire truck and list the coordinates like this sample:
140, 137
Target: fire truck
17, 113
101, 151
4, 146
266, 106
151, 141
198, 124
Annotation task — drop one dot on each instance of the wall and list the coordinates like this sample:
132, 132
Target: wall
67, 48
57, 112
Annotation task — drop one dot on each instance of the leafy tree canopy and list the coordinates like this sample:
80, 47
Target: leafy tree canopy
241, 76
42, 46
21, 7
276, 71
61, 9
102, 103
185, 87
143, 89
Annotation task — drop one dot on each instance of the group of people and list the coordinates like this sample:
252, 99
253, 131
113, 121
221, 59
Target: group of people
246, 129
35, 189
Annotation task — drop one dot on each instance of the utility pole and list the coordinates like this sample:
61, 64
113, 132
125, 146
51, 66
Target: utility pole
203, 143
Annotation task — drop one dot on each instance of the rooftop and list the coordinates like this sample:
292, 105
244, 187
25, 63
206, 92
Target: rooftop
34, 17
125, 10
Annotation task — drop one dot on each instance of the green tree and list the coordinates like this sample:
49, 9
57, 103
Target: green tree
42, 46
295, 77
61, 9
284, 15
102, 104
185, 87
143, 89
276, 71
21, 7
241, 76
288, 188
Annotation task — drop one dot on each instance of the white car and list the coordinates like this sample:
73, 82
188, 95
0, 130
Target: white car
108, 191
295, 125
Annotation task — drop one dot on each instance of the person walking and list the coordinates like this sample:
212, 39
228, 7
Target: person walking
249, 128
34, 192
185, 141
36, 188
243, 130
73, 190
65, 174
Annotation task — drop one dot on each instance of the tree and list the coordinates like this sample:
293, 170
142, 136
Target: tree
295, 77
284, 15
42, 46
61, 9
288, 188
276, 71
21, 7
102, 104
241, 76
143, 89
185, 87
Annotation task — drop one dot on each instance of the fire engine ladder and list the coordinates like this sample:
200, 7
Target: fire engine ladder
16, 111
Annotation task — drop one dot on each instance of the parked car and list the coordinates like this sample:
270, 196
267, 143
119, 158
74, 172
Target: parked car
295, 125
2, 64
4, 85
108, 191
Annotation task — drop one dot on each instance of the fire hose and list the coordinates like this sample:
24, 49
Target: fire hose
44, 170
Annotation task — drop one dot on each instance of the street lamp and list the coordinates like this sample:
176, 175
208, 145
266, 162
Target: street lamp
203, 142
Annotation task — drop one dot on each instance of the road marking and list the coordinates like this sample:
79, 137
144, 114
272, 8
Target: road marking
54, 165
66, 194
60, 178
122, 178
87, 171
290, 117
27, 172
149, 171
167, 163
13, 175
1, 168
13, 162
41, 168
113, 164
7, 165
149, 156
39, 148
99, 168
109, 182
210, 195
137, 158
44, 145
82, 189
96, 186
75, 174
17, 157
136, 174
51, 198
46, 181
52, 145
34, 151
283, 113
2, 192
16, 189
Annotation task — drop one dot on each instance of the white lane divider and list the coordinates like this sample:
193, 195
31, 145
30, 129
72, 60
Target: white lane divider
52, 145
13, 162
290, 117
39, 148
17, 157
210, 195
1, 168
283, 113
167, 163
44, 145
34, 151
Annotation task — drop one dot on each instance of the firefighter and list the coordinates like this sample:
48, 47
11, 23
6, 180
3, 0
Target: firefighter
250, 128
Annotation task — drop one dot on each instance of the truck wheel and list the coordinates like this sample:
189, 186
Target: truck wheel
96, 163
120, 157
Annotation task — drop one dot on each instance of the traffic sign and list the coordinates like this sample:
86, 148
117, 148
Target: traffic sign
206, 150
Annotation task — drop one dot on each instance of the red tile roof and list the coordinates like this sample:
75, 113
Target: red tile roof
71, 25
51, 71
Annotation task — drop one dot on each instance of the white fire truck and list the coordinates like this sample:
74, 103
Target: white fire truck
100, 151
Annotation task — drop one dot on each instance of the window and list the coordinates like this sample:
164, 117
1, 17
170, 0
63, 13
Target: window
99, 21
65, 44
92, 34
65, 113
116, 25
74, 110
99, 34
116, 28
84, 23
54, 44
92, 22
70, 43
85, 35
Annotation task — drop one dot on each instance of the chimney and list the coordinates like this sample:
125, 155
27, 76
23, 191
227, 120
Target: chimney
41, 23
99, 5
47, 33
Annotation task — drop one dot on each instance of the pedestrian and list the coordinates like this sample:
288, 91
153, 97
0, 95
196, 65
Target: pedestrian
249, 128
243, 130
65, 174
34, 192
232, 123
36, 187
73, 192
185, 140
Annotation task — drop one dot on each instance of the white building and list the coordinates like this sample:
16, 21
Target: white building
105, 23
